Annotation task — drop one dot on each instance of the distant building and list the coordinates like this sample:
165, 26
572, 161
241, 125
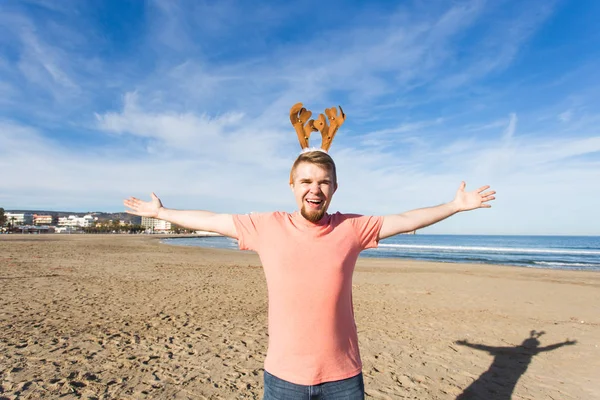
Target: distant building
73, 220
19, 218
157, 225
36, 229
42, 219
65, 229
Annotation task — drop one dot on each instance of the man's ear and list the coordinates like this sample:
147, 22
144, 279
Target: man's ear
292, 186
335, 187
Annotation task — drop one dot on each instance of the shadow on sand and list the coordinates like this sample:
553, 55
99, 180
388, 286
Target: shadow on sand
510, 363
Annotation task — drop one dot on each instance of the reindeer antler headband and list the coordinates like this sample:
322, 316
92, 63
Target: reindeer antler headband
299, 116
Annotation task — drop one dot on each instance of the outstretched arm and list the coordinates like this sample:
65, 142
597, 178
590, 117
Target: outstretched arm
476, 346
556, 345
422, 217
197, 220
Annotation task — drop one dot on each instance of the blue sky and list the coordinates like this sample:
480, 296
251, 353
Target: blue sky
190, 99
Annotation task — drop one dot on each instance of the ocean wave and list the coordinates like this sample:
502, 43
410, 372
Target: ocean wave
490, 249
567, 264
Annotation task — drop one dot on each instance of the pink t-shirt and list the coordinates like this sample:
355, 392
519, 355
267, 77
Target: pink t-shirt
308, 268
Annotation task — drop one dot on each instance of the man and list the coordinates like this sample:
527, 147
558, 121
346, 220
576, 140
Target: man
308, 258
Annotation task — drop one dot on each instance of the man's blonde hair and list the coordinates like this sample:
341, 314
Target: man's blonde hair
316, 157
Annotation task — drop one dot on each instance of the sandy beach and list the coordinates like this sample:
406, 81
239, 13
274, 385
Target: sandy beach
127, 317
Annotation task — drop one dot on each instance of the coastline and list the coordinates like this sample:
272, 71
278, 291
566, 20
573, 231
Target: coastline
552, 252
125, 316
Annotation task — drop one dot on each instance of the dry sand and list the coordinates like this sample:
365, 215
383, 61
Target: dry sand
124, 317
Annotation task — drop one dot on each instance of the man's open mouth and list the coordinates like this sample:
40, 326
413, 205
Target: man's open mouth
314, 202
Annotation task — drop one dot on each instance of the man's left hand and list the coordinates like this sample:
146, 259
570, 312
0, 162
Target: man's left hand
465, 201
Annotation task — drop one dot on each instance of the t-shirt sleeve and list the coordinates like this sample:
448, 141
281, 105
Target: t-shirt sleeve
247, 227
367, 230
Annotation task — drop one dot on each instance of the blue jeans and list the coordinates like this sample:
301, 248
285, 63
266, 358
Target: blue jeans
345, 389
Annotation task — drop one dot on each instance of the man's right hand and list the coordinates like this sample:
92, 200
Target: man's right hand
143, 208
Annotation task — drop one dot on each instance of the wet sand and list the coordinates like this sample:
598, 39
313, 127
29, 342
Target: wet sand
126, 317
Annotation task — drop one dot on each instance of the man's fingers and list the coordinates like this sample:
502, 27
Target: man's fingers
132, 203
483, 188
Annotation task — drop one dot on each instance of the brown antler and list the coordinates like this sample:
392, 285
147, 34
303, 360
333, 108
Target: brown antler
328, 131
299, 117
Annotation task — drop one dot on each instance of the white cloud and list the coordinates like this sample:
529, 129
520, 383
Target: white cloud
180, 131
510, 129
232, 137
565, 116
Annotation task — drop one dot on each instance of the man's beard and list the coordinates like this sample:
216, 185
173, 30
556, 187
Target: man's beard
312, 216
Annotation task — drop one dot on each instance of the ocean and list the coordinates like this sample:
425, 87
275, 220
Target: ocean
551, 252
